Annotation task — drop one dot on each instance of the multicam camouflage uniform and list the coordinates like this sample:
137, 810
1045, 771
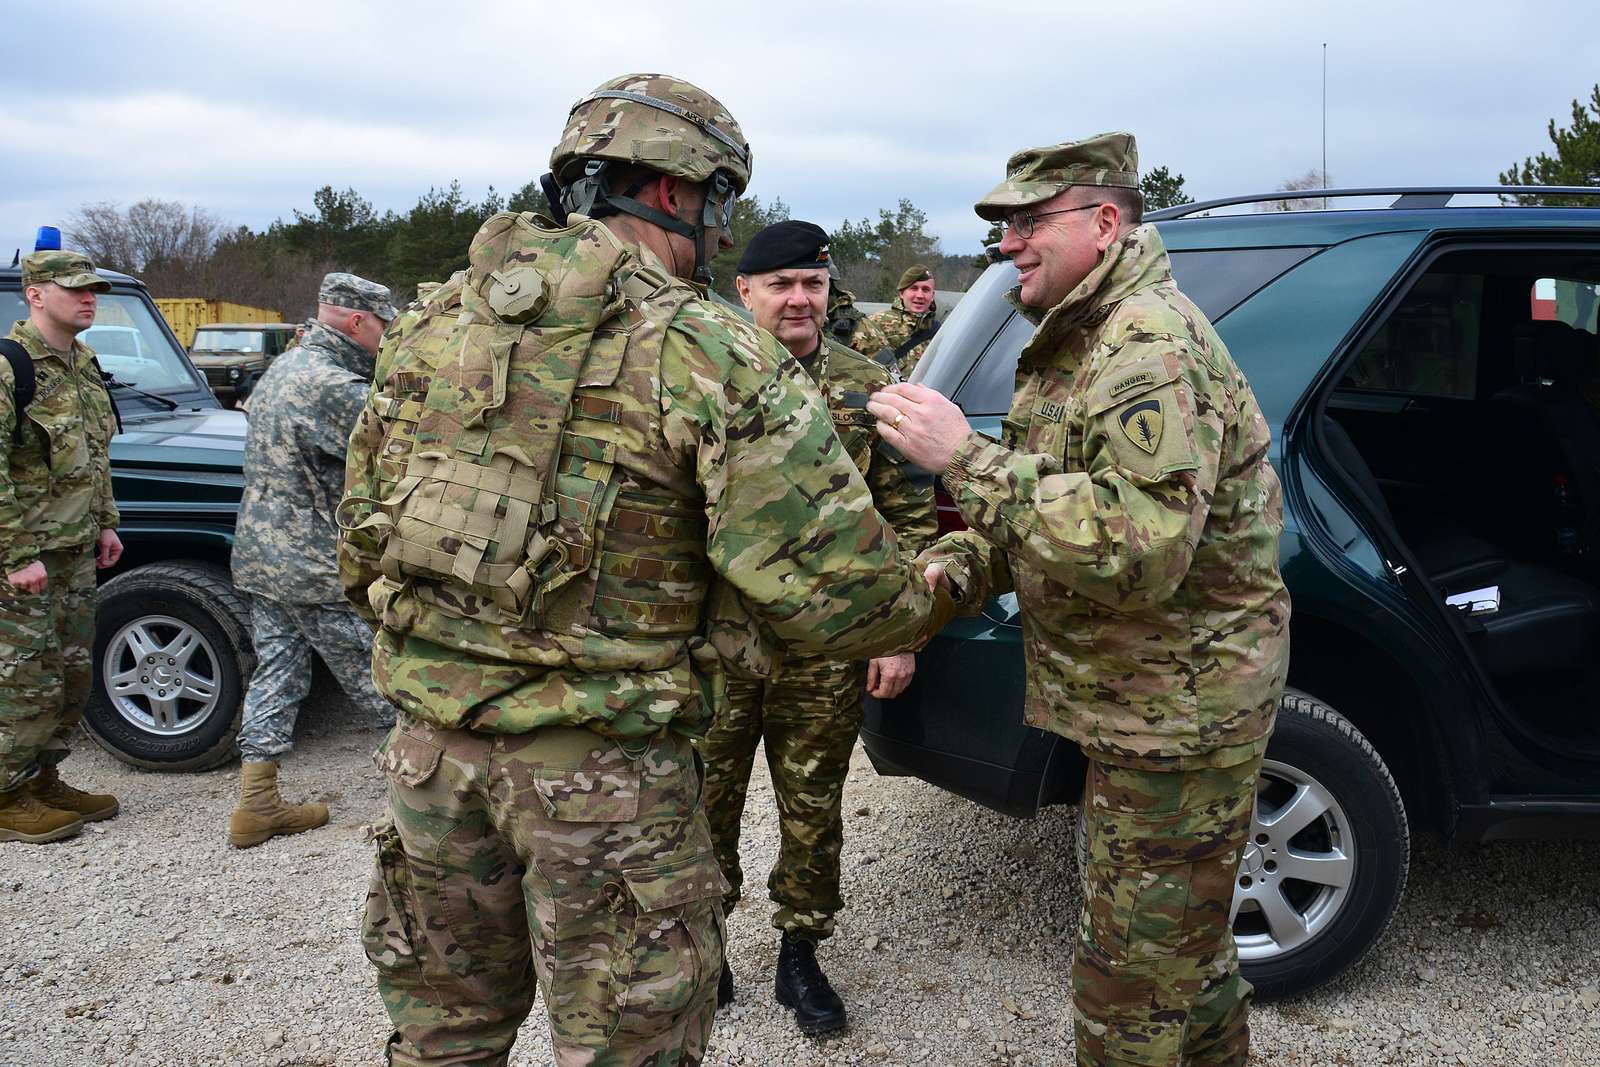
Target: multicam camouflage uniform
1133, 510
847, 324
810, 713
55, 498
896, 325
284, 549
554, 653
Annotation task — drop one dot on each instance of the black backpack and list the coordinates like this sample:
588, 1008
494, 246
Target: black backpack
22, 373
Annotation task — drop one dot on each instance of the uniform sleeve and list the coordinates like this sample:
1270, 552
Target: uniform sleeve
790, 521
17, 546
106, 515
977, 569
903, 495
867, 338
358, 549
1123, 531
342, 402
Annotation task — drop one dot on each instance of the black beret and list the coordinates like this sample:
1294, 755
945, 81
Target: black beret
783, 245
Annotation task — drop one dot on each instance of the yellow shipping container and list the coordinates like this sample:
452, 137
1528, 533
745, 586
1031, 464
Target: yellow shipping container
186, 314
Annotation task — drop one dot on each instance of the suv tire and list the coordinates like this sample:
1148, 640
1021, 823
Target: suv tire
192, 628
1325, 776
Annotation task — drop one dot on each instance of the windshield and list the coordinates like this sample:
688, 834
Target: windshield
128, 342
227, 341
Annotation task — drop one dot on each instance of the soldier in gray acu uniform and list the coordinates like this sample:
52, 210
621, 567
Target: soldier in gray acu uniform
284, 551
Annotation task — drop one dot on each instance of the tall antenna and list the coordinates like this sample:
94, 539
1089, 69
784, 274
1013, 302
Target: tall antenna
1324, 121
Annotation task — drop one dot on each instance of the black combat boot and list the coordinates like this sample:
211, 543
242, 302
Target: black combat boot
802, 986
725, 985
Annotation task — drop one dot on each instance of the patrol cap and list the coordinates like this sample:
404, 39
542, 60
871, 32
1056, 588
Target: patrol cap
1036, 174
914, 274
70, 270
784, 245
356, 293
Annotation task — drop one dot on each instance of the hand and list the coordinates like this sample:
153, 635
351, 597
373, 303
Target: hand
30, 579
888, 677
937, 579
108, 549
921, 423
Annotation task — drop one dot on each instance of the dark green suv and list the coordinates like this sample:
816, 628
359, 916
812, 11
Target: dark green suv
1429, 372
172, 640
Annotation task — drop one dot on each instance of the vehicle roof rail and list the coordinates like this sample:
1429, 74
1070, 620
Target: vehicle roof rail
1421, 196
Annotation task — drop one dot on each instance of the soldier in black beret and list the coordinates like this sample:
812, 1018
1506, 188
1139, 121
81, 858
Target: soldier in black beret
809, 713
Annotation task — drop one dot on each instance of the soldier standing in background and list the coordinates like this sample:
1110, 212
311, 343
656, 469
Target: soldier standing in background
58, 522
575, 499
284, 549
907, 325
809, 714
848, 323
1133, 510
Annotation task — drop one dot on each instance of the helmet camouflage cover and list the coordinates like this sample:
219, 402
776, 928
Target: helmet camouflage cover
659, 121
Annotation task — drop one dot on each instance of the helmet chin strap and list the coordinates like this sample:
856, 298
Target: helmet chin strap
591, 195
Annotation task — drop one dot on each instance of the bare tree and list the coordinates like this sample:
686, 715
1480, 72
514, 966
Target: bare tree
1315, 178
153, 238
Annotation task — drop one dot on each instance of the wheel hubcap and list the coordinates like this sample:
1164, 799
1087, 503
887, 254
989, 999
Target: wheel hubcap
161, 675
1295, 872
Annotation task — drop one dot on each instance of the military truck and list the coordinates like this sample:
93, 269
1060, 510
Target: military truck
233, 355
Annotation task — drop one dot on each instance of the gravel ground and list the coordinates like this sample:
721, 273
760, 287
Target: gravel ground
148, 941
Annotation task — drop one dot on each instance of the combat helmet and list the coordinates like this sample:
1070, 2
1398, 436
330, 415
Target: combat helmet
656, 121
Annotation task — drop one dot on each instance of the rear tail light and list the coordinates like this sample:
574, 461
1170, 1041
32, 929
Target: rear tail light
950, 519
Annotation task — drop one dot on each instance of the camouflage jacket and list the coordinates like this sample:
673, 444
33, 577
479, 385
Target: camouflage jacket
845, 322
705, 547
55, 487
897, 325
901, 492
1133, 509
301, 413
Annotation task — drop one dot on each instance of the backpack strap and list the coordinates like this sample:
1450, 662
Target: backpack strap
22, 374
924, 334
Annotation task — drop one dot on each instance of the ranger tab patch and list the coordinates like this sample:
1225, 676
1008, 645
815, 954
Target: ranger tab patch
1132, 381
1142, 423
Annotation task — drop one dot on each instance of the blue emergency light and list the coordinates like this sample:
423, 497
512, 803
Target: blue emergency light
49, 240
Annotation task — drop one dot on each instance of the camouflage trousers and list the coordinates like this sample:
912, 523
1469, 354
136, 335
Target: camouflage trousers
1155, 978
556, 855
46, 643
284, 636
809, 716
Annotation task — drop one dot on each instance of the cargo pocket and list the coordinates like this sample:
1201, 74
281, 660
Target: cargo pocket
30, 671
407, 759
388, 927
675, 952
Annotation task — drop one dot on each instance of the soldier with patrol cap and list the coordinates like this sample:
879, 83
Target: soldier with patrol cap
1132, 508
809, 714
581, 496
907, 325
58, 523
301, 413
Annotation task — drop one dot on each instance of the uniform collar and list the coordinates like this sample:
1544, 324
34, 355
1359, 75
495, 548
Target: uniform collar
344, 350
25, 332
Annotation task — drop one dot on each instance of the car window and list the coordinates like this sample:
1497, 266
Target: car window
1217, 281
1576, 303
1429, 345
227, 341
127, 341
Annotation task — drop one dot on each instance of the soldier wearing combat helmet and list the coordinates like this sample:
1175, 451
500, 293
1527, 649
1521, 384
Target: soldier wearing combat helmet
58, 523
580, 495
1132, 508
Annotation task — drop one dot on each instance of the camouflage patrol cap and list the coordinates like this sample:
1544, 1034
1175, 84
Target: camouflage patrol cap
912, 275
658, 121
70, 270
1036, 174
356, 293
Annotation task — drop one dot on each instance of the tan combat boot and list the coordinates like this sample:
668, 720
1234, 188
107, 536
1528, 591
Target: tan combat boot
52, 792
24, 818
262, 814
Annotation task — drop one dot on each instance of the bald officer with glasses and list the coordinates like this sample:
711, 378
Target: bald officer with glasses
1132, 508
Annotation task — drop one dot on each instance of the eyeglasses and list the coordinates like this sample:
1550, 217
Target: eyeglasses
1022, 223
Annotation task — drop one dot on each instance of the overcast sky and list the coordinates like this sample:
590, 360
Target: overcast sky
246, 109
